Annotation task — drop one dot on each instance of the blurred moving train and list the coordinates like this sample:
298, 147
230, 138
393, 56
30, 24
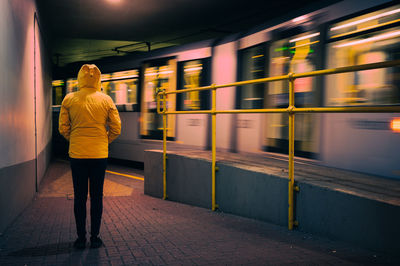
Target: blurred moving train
342, 34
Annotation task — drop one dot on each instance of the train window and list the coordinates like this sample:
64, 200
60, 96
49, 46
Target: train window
375, 20
252, 65
58, 91
296, 54
158, 75
377, 44
122, 87
72, 85
193, 74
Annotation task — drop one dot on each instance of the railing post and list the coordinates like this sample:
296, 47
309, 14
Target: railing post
164, 145
291, 154
213, 144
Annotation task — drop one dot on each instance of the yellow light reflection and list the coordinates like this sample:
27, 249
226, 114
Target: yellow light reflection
257, 56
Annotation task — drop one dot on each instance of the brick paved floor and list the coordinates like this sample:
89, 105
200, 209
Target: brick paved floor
141, 230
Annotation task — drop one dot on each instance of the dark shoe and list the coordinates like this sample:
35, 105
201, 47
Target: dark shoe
95, 242
80, 243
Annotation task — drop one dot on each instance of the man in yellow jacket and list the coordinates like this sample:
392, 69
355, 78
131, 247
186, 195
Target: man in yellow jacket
90, 121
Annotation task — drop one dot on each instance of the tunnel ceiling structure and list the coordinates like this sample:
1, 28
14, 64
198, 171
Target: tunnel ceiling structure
86, 30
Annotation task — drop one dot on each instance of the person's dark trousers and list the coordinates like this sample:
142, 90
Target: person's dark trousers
84, 170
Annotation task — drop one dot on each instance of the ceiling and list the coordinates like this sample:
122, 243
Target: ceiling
85, 30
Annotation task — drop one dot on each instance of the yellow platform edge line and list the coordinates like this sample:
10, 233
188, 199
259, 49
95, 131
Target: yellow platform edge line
130, 176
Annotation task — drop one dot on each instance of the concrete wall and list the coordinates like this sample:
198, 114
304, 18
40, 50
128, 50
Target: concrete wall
242, 192
25, 98
251, 194
259, 195
188, 179
367, 223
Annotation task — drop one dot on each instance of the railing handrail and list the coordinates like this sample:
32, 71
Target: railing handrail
291, 110
314, 73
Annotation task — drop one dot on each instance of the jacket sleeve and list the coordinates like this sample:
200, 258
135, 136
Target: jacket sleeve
114, 122
64, 123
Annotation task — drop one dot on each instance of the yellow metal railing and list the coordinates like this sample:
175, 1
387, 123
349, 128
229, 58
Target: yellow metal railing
291, 110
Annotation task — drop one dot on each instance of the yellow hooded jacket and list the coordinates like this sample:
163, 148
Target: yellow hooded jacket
85, 115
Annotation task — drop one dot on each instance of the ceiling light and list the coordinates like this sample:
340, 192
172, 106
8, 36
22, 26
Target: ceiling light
114, 1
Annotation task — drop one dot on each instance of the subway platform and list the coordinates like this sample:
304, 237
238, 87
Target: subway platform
141, 230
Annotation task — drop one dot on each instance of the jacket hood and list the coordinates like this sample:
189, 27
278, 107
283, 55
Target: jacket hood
89, 76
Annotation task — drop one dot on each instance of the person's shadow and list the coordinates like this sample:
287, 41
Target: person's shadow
45, 250
76, 256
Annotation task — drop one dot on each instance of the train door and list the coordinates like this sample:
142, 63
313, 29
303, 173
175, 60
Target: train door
297, 54
252, 65
158, 75
364, 142
192, 128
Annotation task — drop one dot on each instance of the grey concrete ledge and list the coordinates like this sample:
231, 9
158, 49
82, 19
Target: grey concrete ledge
338, 204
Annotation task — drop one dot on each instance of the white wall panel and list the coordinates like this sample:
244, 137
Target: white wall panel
361, 142
224, 66
194, 54
192, 129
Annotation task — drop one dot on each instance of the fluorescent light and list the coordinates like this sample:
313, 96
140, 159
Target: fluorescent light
120, 77
372, 39
166, 72
151, 74
159, 73
192, 69
305, 37
366, 28
366, 19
